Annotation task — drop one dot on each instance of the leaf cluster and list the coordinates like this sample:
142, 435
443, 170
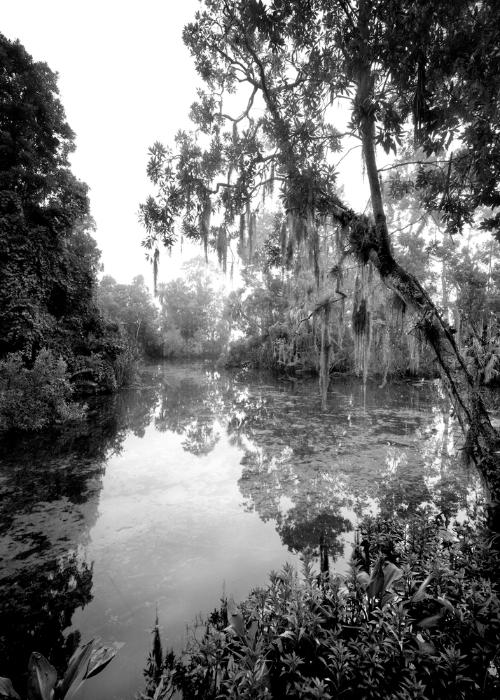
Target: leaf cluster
87, 661
424, 624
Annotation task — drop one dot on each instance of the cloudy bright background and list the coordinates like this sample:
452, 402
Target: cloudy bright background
126, 80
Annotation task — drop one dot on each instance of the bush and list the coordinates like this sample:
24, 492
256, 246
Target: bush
254, 351
125, 367
31, 399
425, 623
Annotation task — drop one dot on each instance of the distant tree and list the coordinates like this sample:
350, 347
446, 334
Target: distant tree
192, 313
131, 307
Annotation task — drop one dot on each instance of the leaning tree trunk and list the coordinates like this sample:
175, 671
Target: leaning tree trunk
370, 242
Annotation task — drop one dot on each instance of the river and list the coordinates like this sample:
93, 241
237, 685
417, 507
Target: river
198, 484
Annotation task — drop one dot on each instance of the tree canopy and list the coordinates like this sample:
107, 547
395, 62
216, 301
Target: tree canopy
48, 258
192, 316
426, 71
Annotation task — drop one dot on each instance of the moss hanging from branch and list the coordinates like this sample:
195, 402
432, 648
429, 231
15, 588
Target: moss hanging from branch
221, 246
385, 343
251, 234
205, 217
312, 237
362, 320
414, 346
242, 233
397, 311
156, 259
325, 357
283, 240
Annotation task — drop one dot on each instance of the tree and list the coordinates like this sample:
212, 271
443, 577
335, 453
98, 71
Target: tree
397, 62
48, 259
191, 313
131, 307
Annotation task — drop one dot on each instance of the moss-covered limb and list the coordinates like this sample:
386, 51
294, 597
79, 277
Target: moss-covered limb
481, 437
371, 242
326, 352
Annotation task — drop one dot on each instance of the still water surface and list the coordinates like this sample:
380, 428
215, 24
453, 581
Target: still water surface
196, 484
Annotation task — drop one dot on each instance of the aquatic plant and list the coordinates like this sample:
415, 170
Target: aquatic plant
418, 617
87, 661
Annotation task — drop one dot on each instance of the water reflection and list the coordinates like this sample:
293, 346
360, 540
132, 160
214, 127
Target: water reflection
313, 472
49, 486
196, 479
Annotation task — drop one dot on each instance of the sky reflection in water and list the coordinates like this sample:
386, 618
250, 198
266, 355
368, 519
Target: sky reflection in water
196, 484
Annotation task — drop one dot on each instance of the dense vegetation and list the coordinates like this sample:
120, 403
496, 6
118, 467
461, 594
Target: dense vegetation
188, 321
421, 79
274, 309
325, 288
52, 336
418, 617
328, 288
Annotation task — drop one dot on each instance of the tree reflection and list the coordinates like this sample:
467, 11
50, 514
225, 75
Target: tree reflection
394, 453
358, 455
309, 471
192, 406
200, 438
299, 530
49, 488
36, 606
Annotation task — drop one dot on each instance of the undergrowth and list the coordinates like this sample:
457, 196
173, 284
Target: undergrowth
32, 398
418, 617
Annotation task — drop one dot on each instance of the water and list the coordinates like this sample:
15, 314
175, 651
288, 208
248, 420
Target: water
195, 485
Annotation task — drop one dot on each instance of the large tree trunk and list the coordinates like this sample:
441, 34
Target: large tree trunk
371, 242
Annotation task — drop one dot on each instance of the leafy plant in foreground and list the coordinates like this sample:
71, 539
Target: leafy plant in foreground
87, 661
418, 617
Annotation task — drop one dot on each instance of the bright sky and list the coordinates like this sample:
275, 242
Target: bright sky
126, 80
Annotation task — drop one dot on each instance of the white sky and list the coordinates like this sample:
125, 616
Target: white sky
126, 80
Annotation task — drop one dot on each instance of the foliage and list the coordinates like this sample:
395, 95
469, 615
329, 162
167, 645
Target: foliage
192, 313
284, 136
125, 367
430, 68
424, 623
31, 399
87, 661
247, 352
131, 308
48, 258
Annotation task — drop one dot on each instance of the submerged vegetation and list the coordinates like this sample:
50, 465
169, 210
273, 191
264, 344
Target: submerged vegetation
417, 617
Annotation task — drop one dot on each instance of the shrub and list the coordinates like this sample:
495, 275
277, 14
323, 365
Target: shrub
31, 399
95, 373
425, 623
253, 351
125, 366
